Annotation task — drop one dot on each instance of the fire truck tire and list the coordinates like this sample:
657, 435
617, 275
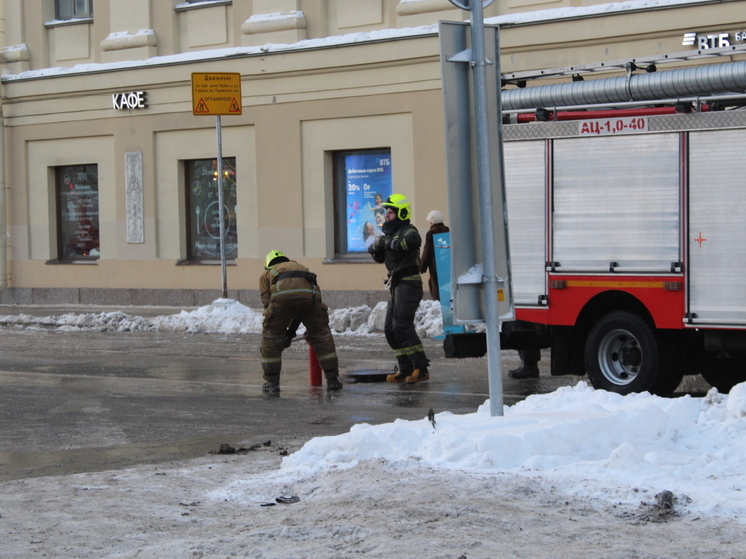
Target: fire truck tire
622, 354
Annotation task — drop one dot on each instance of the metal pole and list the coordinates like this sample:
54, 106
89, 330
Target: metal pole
484, 176
3, 223
221, 211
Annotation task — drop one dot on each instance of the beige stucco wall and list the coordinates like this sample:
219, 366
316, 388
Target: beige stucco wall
298, 107
281, 142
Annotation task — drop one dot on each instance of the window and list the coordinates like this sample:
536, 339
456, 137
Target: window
362, 183
73, 9
203, 213
77, 211
192, 4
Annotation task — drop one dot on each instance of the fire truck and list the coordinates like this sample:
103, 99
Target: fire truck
626, 208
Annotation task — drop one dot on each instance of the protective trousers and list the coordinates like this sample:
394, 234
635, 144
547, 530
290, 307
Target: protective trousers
314, 316
399, 327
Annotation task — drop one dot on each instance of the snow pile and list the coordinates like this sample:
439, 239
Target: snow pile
226, 316
222, 316
589, 443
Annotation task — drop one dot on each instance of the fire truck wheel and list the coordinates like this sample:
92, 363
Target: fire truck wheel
622, 354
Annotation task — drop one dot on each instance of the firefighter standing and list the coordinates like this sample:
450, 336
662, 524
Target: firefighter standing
291, 296
399, 249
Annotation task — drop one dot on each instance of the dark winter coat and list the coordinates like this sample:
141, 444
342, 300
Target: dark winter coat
427, 262
399, 249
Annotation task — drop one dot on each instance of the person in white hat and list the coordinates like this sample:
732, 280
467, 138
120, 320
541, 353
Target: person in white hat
427, 261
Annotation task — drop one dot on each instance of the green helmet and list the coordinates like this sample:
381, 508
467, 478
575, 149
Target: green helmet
271, 255
400, 204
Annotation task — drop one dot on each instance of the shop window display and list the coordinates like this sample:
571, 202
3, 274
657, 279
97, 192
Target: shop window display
203, 210
77, 210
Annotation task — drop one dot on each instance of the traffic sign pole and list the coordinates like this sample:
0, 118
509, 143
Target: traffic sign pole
478, 63
221, 210
218, 94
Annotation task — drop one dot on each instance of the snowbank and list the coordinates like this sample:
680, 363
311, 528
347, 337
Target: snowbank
591, 443
226, 316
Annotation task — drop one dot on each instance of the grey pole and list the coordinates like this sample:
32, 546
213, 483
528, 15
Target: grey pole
221, 211
484, 176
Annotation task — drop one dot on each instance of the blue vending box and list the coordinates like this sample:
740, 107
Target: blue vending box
442, 250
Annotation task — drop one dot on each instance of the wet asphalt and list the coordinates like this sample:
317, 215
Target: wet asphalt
78, 401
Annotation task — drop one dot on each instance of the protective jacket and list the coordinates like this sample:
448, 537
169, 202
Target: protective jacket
399, 250
288, 280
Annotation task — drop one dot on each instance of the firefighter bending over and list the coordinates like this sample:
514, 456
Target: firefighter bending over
399, 249
291, 296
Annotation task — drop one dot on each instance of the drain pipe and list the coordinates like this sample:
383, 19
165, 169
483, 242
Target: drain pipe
3, 220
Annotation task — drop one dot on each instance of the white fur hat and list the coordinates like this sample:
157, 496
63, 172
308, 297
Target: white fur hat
435, 217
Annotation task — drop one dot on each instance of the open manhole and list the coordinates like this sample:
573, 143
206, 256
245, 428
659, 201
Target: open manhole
369, 375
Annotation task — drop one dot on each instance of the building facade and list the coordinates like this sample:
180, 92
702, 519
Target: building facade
110, 190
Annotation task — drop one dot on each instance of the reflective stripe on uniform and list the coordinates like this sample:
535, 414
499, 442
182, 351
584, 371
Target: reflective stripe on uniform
411, 350
327, 356
269, 360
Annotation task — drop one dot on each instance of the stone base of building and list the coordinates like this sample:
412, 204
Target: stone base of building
167, 297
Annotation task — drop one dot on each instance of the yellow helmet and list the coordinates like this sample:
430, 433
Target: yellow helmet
271, 255
400, 204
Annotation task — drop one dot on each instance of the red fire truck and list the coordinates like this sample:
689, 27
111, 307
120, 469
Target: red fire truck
628, 236
626, 204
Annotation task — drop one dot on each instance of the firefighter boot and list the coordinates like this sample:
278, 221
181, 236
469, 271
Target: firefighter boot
397, 376
333, 383
525, 371
271, 386
418, 375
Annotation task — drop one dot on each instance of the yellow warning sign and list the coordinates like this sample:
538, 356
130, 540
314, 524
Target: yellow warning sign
201, 108
216, 93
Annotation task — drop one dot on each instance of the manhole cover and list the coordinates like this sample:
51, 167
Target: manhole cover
369, 375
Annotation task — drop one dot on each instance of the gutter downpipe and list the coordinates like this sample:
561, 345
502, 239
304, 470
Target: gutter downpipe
3, 220
3, 216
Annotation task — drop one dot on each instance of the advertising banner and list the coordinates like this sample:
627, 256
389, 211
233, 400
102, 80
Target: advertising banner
368, 184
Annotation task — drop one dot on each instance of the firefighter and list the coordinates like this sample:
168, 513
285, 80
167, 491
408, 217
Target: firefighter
529, 364
399, 249
291, 296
